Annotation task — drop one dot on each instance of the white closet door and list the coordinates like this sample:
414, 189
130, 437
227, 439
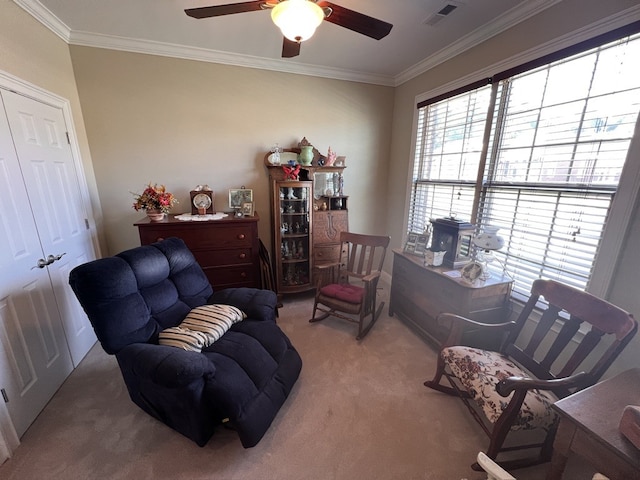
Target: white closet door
37, 359
40, 139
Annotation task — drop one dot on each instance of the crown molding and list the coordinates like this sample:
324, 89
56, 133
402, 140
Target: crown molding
507, 20
600, 27
45, 17
53, 23
150, 47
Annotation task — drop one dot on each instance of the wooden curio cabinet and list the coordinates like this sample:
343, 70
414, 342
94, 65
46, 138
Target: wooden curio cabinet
307, 216
293, 248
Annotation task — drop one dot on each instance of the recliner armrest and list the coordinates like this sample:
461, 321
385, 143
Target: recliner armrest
256, 303
165, 365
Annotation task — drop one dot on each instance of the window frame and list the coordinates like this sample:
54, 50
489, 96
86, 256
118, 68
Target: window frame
628, 192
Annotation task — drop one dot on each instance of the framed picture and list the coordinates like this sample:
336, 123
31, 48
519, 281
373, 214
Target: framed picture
410, 245
471, 272
247, 209
421, 244
239, 196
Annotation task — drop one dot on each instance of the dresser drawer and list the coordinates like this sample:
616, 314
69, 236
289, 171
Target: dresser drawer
207, 258
225, 237
328, 253
222, 236
231, 276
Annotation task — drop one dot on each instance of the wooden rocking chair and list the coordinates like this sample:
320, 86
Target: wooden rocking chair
350, 286
513, 388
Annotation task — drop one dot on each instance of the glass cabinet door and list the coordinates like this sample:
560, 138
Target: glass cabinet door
292, 212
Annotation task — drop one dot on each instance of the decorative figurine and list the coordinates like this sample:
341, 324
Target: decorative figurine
331, 157
275, 158
291, 172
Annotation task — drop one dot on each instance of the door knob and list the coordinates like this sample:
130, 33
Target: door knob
41, 263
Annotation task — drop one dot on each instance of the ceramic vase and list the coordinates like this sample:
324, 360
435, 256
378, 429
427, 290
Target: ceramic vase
306, 155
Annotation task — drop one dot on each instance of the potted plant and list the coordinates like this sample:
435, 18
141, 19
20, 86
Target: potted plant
155, 201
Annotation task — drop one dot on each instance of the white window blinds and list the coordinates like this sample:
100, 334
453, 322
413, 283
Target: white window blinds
448, 153
557, 143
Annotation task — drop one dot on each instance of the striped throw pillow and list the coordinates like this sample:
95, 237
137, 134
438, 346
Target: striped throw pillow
182, 338
201, 327
213, 320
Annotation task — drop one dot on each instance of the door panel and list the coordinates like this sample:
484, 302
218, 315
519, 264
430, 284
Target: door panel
52, 185
38, 359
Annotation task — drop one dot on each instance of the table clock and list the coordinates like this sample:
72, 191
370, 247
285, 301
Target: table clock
201, 202
454, 237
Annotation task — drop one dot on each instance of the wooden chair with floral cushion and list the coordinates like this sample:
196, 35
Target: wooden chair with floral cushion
555, 336
348, 289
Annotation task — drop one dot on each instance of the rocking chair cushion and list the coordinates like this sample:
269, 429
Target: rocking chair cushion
347, 293
479, 371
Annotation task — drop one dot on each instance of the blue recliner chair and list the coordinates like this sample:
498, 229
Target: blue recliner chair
244, 377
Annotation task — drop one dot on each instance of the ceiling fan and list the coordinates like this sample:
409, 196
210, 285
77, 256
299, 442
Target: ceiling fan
298, 19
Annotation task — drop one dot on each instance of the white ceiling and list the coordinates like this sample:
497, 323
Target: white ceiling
251, 39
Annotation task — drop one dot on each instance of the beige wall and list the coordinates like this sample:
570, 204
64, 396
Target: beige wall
183, 123
32, 53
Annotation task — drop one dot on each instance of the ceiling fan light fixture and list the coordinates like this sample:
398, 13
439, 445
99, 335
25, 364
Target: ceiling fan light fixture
297, 19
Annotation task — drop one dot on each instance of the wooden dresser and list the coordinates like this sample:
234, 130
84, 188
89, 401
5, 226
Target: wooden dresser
226, 249
419, 294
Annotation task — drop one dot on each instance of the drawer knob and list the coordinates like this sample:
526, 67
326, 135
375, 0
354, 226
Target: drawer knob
241, 236
159, 239
243, 274
242, 255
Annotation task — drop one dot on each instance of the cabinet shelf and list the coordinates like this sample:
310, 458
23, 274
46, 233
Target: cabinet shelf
295, 260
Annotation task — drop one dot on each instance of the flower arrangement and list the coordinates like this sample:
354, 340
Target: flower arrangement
154, 197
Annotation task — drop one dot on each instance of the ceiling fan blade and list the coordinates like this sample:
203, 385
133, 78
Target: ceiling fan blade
228, 9
358, 22
289, 48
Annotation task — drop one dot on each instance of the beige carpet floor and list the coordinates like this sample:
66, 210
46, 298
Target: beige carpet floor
358, 411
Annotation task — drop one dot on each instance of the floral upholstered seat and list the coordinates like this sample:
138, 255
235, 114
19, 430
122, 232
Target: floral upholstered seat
481, 370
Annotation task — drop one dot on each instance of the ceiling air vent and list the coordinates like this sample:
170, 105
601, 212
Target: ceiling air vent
447, 9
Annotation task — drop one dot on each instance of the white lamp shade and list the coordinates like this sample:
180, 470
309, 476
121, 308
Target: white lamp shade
297, 19
489, 239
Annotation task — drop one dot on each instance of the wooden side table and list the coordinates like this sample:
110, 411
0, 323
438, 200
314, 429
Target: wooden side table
588, 427
419, 294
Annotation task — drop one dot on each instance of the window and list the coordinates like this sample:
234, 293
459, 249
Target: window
538, 153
